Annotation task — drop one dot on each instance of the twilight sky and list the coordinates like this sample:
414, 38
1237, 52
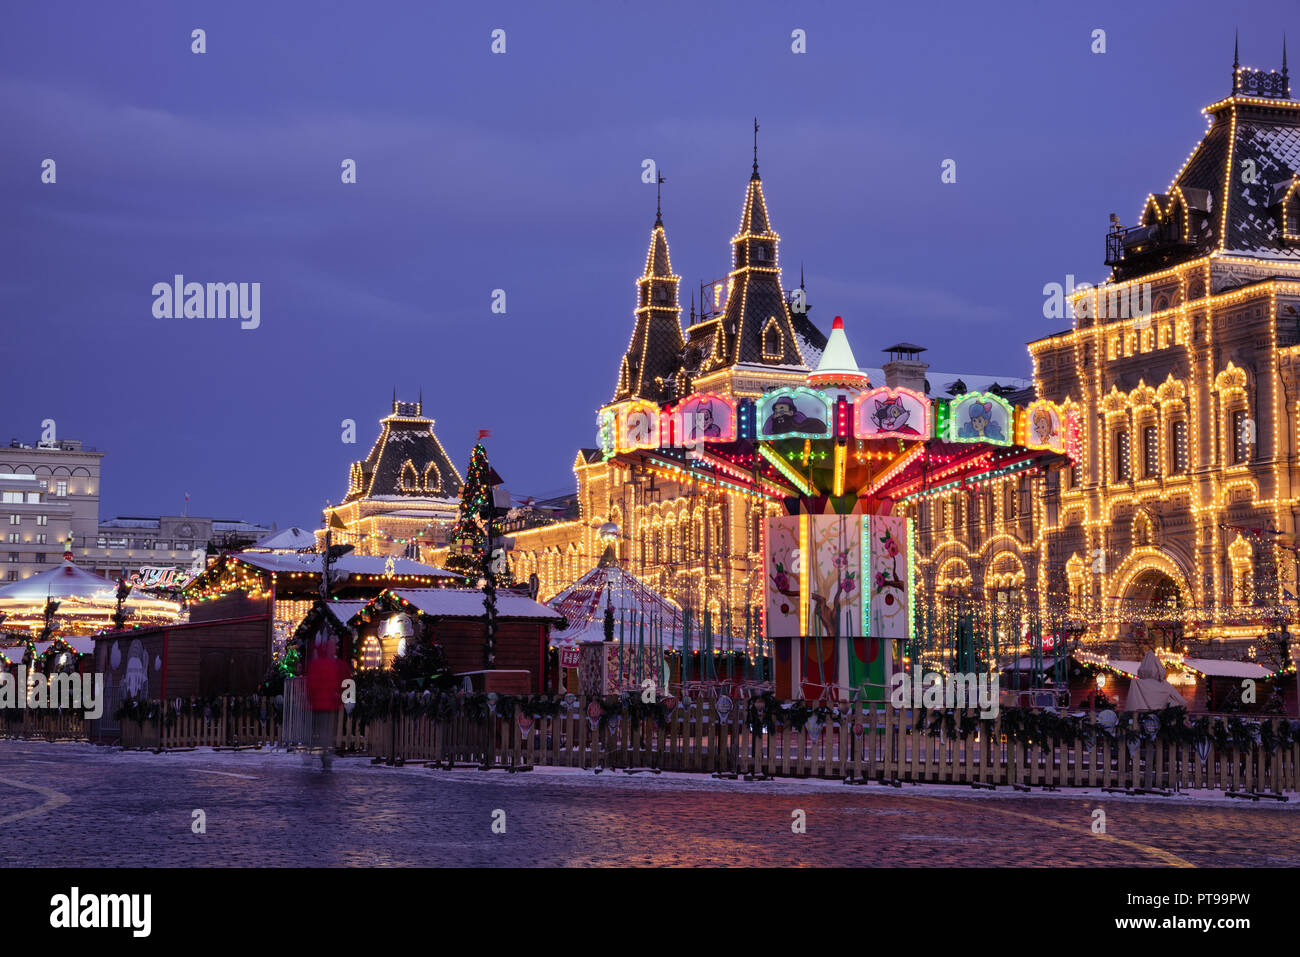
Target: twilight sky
522, 172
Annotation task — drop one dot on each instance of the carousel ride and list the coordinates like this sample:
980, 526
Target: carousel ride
70, 601
841, 455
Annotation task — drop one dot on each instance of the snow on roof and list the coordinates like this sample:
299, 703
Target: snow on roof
130, 523
1216, 668
939, 381
292, 538
1129, 668
63, 581
351, 563
410, 499
237, 525
469, 603
345, 611
80, 645
811, 353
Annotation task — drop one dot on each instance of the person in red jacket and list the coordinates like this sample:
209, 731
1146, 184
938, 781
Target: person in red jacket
326, 673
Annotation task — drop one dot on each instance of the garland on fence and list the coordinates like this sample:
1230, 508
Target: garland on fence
1168, 726
141, 710
1021, 725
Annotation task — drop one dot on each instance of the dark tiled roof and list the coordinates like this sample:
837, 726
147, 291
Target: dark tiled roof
407, 459
1269, 137
653, 356
756, 296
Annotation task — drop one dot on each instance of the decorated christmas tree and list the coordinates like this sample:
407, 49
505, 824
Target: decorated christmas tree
469, 536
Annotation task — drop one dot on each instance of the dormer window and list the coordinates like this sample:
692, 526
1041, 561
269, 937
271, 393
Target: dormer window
773, 341
1175, 218
408, 480
1288, 211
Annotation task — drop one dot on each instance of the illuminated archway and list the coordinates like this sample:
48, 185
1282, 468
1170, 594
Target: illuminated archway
1147, 601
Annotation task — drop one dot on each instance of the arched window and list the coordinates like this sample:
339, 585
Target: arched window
773, 340
1239, 557
432, 478
408, 480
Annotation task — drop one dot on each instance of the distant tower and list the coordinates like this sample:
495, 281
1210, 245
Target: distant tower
648, 367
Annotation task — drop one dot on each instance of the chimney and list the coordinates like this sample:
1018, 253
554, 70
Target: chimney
905, 368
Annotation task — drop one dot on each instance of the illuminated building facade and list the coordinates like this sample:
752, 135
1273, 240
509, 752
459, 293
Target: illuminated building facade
698, 542
1184, 368
405, 493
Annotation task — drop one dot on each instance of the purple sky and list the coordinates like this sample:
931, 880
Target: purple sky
522, 172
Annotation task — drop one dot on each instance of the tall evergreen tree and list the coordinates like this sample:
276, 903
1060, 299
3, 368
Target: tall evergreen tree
469, 536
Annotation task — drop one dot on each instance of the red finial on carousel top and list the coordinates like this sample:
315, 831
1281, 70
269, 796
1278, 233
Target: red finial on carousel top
67, 548
837, 368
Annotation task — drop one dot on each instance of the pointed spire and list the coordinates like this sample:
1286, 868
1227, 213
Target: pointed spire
394, 398
1284, 73
801, 274
659, 198
419, 407
1236, 60
692, 307
657, 336
657, 264
755, 176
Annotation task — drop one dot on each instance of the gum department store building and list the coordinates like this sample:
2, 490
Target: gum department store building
1188, 486
1186, 491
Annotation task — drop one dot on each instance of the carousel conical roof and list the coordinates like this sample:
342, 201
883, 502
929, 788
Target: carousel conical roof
62, 581
583, 604
838, 365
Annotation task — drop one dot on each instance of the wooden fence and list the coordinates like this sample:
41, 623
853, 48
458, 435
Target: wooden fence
226, 727
45, 724
868, 743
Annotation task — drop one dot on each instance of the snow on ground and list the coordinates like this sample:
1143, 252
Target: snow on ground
252, 761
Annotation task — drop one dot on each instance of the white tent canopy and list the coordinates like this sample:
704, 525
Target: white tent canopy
1149, 691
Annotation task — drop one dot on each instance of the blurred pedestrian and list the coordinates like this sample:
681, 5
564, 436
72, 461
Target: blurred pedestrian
326, 673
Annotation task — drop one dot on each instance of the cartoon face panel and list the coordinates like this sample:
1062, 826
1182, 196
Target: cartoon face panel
891, 413
980, 417
704, 417
1044, 427
794, 413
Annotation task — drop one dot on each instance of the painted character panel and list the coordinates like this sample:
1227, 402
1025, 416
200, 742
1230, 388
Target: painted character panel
888, 413
794, 412
890, 589
783, 565
981, 417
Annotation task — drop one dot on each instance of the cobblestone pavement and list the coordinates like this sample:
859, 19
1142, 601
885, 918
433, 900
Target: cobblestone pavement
268, 809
